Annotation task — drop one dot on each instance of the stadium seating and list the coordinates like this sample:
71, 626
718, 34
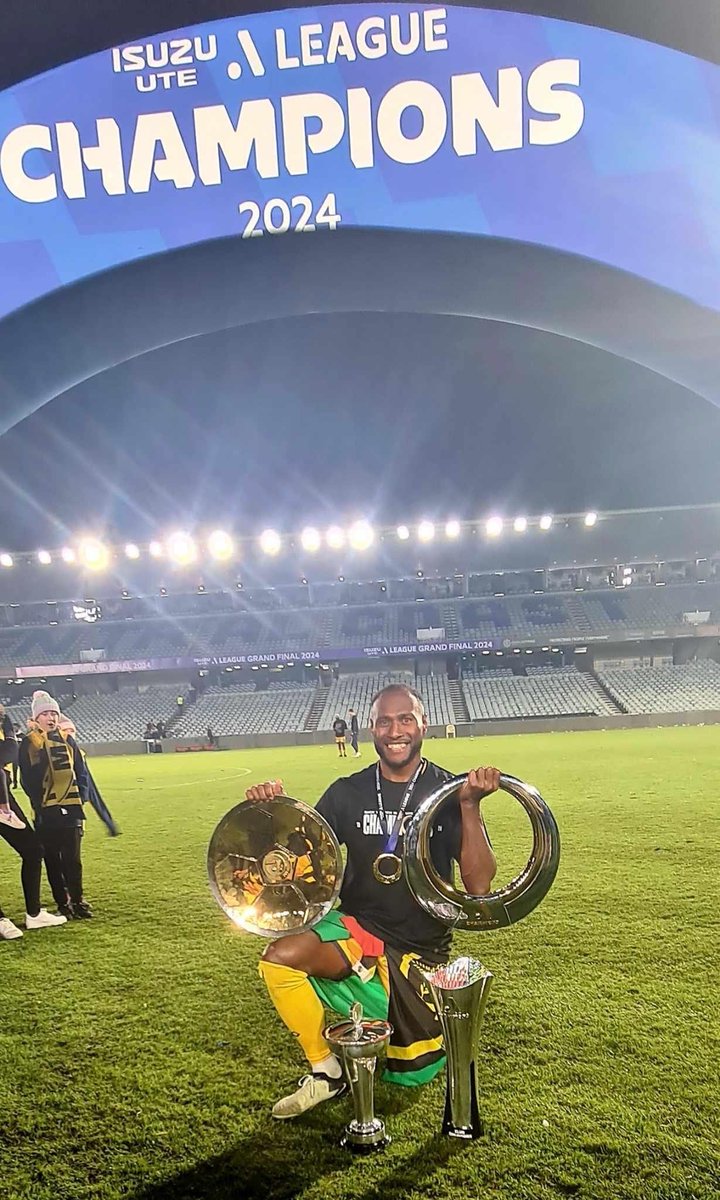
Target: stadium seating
558, 693
356, 691
687, 688
123, 715
229, 711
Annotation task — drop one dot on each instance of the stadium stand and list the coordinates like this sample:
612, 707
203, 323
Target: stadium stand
229, 710
122, 715
691, 687
559, 693
356, 691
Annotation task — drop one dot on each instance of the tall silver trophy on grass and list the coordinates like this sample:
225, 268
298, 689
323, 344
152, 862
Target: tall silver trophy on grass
358, 1043
460, 988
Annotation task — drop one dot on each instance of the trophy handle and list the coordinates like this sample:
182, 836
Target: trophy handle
500, 908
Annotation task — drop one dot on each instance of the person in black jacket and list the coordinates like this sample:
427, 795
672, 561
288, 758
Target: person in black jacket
53, 775
19, 835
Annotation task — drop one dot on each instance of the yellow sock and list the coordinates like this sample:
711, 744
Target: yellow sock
298, 1006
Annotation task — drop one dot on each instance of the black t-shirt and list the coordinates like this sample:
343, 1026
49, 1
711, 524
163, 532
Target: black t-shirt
389, 911
339, 727
354, 727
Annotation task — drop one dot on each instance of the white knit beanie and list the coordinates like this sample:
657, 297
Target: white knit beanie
43, 702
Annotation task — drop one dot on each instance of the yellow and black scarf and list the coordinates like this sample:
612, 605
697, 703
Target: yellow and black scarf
59, 785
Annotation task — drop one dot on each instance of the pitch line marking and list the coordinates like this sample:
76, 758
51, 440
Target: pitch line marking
194, 782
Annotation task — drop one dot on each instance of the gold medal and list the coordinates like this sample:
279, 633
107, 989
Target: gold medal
387, 868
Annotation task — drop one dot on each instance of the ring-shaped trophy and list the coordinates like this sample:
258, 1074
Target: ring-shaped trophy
498, 909
274, 867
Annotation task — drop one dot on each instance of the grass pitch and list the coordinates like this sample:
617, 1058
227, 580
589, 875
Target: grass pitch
139, 1055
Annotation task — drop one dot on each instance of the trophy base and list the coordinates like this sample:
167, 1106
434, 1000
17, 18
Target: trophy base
465, 1133
365, 1139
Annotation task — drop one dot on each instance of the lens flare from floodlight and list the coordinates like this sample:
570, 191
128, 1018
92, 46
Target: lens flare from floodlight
181, 548
93, 554
155, 549
361, 535
493, 526
335, 537
132, 551
220, 545
546, 521
6, 560
44, 557
590, 519
270, 541
310, 539
426, 531
520, 524
67, 554
403, 532
452, 529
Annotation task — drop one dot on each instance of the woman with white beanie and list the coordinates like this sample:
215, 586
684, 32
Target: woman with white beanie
54, 776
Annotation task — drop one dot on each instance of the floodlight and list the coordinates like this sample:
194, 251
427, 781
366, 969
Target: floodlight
590, 519
156, 549
132, 551
361, 535
6, 560
426, 531
270, 541
403, 532
546, 521
493, 526
520, 524
335, 537
181, 548
93, 554
220, 544
452, 529
44, 557
67, 554
310, 539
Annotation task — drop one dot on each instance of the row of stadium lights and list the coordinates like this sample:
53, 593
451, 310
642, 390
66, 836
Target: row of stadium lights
182, 549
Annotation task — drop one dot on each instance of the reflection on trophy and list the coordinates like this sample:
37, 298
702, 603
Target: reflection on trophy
358, 1044
276, 869
460, 992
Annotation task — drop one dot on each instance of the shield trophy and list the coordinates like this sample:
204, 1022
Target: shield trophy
275, 868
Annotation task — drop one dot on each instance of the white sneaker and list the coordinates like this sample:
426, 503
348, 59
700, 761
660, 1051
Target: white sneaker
8, 817
311, 1090
44, 920
8, 931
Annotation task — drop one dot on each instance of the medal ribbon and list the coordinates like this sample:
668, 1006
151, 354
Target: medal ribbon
392, 836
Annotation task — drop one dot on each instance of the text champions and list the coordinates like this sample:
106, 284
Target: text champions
408, 124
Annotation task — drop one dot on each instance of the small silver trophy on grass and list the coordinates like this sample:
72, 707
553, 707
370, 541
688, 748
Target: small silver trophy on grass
460, 992
358, 1044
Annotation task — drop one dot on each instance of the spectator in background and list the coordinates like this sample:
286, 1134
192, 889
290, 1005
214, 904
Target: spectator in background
161, 729
17, 832
149, 734
53, 775
354, 731
10, 747
212, 740
340, 729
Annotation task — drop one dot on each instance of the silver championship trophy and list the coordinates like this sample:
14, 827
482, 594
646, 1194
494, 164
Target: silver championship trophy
460, 992
460, 989
358, 1044
276, 869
